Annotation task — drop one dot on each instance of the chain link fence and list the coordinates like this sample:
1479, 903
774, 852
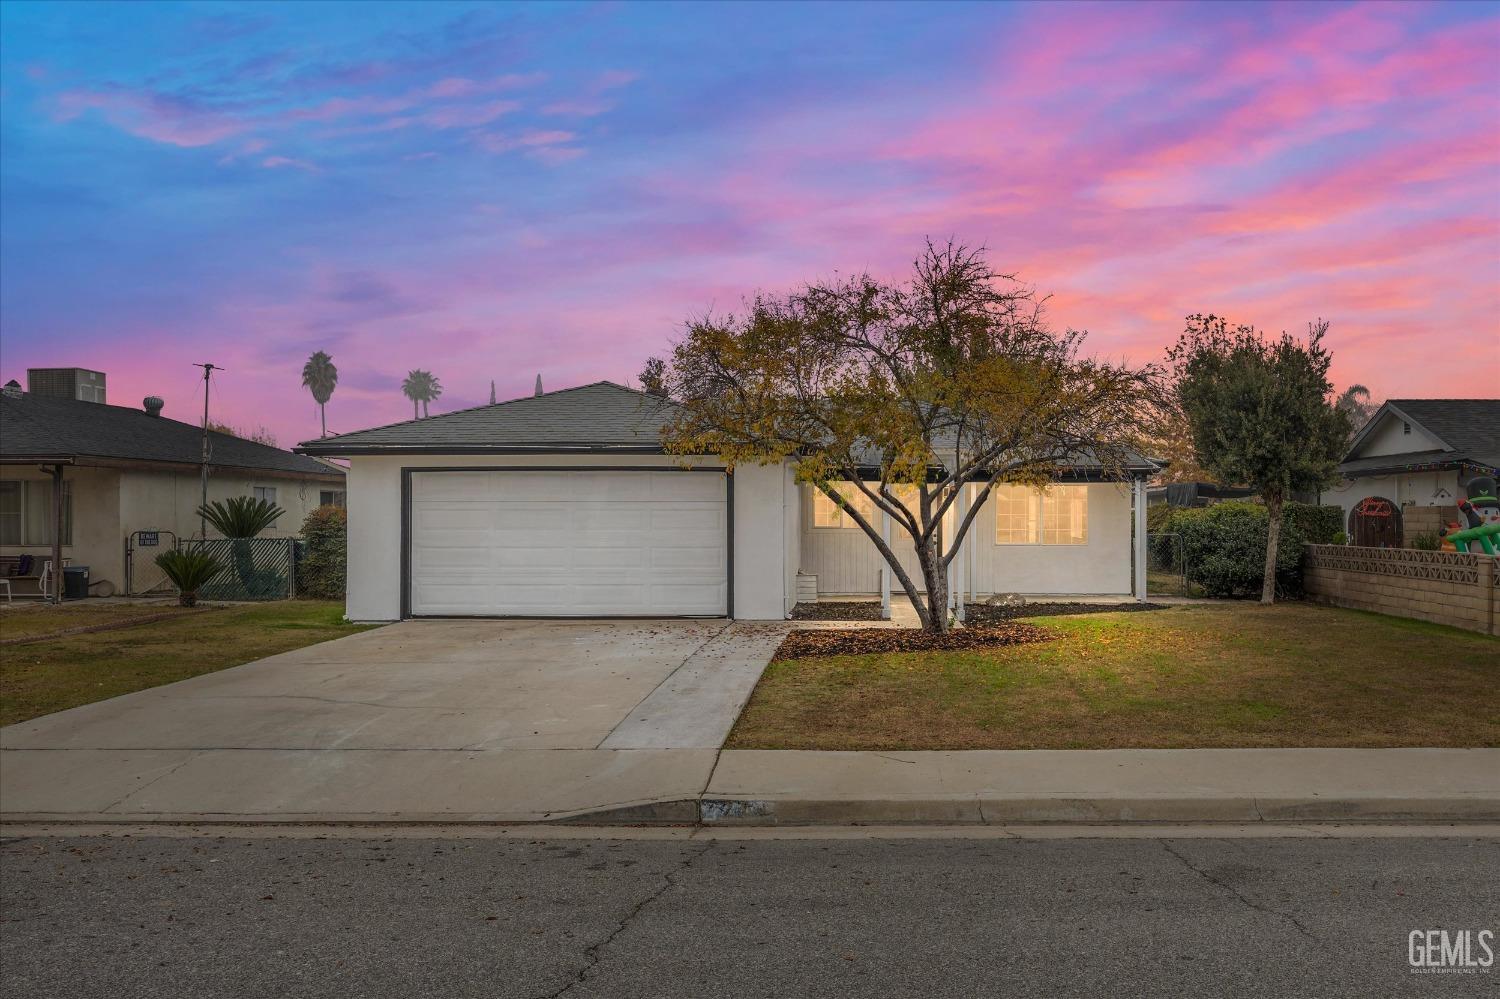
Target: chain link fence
251, 568
1167, 568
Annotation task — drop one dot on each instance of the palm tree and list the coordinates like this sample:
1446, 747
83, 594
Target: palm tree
319, 376
420, 387
1355, 401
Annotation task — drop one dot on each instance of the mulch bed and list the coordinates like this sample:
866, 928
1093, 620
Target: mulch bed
838, 610
867, 641
980, 615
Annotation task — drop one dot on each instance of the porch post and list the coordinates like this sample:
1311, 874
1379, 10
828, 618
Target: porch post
885, 570
1138, 486
961, 572
57, 529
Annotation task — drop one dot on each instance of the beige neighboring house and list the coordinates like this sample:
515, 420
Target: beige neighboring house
126, 470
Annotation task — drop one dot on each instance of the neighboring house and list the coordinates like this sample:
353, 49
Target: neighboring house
1195, 494
126, 470
563, 504
1407, 467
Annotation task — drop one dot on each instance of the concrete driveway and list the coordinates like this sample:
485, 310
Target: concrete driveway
424, 720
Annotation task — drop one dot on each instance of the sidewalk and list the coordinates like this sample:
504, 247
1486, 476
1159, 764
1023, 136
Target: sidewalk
754, 787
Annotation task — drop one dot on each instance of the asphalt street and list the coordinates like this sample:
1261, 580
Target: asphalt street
455, 917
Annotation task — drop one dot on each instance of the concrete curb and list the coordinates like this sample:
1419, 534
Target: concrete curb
956, 810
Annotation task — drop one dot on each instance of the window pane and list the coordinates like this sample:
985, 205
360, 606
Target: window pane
10, 513
331, 497
826, 513
1065, 515
36, 508
1017, 514
267, 493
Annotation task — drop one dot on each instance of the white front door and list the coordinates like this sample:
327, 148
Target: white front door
569, 543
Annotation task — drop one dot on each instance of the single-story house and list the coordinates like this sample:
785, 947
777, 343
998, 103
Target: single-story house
125, 470
1407, 467
564, 504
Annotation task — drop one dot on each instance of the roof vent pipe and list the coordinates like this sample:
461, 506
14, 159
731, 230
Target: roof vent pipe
153, 405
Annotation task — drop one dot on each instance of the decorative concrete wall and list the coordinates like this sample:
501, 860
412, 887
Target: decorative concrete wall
1443, 587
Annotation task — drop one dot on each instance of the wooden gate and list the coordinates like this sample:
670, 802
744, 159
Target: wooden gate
1375, 522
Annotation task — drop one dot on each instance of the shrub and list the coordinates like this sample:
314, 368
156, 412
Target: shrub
188, 571
1318, 525
1225, 549
322, 570
1427, 542
1340, 538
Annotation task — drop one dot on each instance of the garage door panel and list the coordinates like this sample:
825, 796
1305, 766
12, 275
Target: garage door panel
569, 543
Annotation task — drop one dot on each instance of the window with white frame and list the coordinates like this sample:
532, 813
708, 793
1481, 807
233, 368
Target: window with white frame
1057, 515
827, 513
332, 497
1018, 515
267, 493
26, 513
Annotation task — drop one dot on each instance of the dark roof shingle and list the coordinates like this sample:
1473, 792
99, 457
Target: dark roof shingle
1469, 426
33, 426
599, 416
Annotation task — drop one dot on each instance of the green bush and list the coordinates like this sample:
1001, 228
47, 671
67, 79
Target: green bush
321, 572
1225, 549
1427, 542
1318, 525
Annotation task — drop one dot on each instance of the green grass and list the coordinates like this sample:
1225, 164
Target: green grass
50, 675
1205, 675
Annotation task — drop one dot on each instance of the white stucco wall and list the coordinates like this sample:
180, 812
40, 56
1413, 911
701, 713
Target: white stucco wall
97, 541
374, 508
1411, 489
1390, 436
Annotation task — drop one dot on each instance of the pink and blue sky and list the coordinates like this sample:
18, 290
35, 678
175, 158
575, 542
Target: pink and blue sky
493, 191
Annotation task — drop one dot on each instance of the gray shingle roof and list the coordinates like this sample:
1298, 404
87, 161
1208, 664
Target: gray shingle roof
602, 416
1471, 427
33, 426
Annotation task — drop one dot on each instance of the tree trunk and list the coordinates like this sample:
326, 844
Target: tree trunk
935, 576
416, 414
323, 418
1273, 536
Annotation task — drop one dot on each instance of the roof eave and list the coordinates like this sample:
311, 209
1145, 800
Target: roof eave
368, 450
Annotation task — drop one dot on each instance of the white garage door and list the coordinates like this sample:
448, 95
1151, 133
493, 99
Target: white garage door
569, 543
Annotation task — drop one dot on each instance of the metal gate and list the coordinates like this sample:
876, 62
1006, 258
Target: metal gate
250, 568
144, 576
1166, 567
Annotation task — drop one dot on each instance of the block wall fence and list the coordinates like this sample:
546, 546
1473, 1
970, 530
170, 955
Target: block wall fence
1442, 587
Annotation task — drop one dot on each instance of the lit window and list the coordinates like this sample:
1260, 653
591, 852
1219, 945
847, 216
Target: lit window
827, 513
1058, 515
26, 513
1017, 515
1065, 515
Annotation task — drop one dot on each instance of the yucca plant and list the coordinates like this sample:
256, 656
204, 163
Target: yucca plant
241, 518
188, 571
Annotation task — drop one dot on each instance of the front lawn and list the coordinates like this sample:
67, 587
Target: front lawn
1206, 675
41, 677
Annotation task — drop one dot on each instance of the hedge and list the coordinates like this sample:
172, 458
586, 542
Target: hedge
1224, 545
322, 570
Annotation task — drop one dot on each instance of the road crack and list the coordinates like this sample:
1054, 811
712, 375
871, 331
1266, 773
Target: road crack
1248, 902
593, 954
